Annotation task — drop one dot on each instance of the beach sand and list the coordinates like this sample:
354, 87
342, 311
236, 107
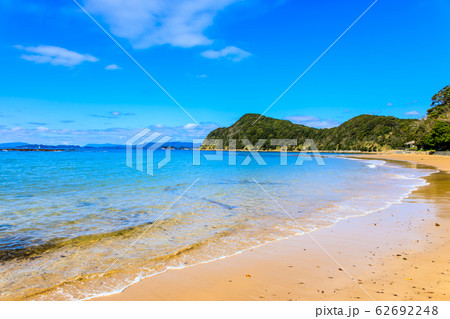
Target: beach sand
401, 253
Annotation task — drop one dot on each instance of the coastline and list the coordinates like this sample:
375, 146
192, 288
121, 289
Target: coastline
397, 254
440, 162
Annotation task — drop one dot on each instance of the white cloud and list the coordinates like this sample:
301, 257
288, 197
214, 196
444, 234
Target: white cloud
313, 121
412, 113
55, 55
186, 132
231, 52
190, 126
389, 104
112, 67
146, 23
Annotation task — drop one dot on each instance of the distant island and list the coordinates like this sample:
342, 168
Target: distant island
361, 133
36, 150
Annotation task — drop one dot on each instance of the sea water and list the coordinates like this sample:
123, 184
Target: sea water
79, 224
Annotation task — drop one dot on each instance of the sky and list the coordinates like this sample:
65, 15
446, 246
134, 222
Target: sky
65, 81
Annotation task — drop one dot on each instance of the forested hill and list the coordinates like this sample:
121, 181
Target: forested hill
364, 132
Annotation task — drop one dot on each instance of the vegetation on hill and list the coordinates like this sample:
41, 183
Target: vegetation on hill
433, 132
364, 132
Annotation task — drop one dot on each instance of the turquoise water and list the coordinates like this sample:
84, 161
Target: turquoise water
79, 224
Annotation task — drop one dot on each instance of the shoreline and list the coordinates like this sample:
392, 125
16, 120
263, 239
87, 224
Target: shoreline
295, 269
440, 162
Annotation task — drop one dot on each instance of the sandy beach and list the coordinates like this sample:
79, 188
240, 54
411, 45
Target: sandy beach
400, 253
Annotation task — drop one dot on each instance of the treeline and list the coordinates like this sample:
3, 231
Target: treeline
364, 132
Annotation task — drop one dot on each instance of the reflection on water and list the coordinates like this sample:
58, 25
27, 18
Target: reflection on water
67, 217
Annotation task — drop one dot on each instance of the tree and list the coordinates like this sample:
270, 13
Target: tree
432, 132
439, 137
440, 103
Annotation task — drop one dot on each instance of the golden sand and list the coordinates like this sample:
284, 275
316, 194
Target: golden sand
401, 253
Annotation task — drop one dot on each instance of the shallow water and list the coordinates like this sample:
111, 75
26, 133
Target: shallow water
79, 224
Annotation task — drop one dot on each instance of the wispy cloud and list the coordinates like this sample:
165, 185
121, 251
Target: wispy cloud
231, 52
412, 113
302, 118
145, 23
67, 121
113, 115
37, 123
112, 67
313, 121
55, 55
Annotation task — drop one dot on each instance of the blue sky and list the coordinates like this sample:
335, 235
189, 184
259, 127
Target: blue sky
64, 80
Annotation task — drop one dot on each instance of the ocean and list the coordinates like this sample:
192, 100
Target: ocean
74, 225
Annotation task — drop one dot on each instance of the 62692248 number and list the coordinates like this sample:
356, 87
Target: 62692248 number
406, 311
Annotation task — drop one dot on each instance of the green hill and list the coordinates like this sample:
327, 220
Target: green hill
364, 132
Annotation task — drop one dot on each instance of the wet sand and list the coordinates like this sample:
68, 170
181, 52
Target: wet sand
401, 253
